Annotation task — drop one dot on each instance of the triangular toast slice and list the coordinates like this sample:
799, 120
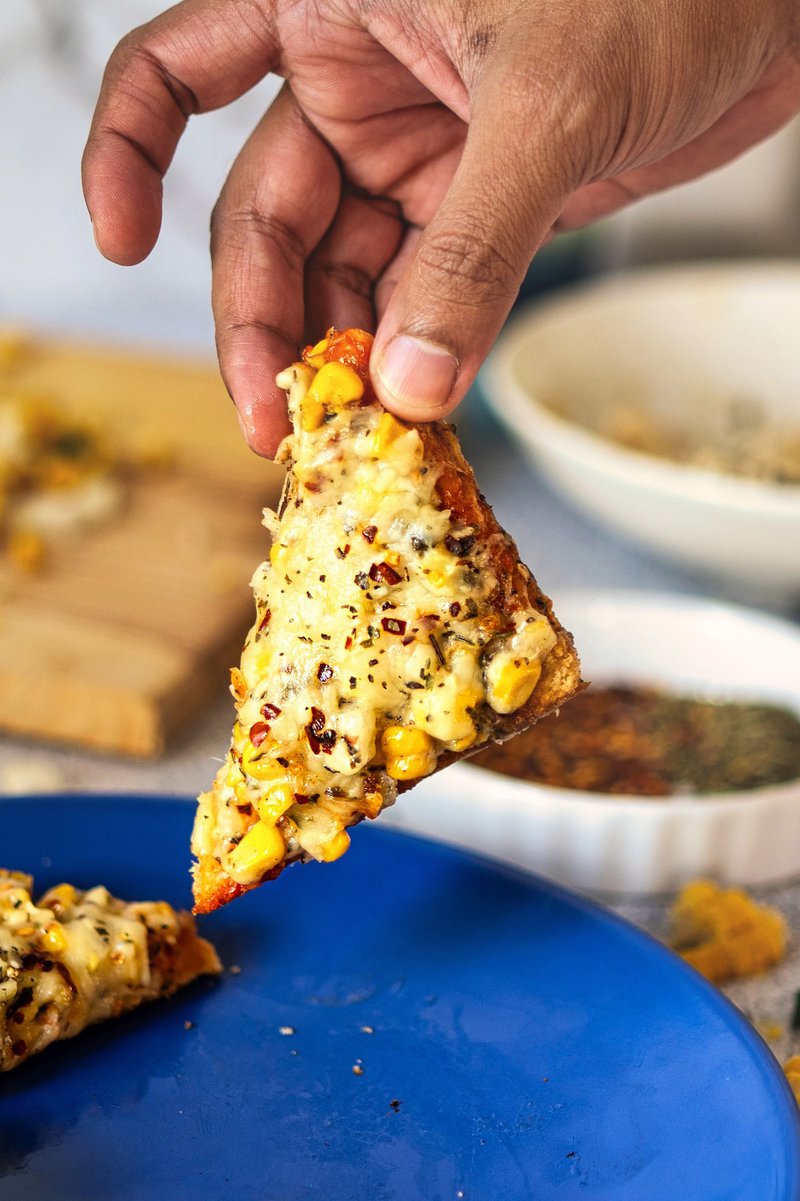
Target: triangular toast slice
74, 958
396, 631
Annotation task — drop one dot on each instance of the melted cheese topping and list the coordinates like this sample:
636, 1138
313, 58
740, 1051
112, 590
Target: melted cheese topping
71, 960
369, 657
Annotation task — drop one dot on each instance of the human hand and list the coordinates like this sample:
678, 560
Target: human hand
418, 157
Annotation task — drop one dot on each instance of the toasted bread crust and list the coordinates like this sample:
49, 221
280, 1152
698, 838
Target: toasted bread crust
180, 960
213, 887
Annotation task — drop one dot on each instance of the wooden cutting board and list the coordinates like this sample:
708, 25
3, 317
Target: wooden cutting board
131, 626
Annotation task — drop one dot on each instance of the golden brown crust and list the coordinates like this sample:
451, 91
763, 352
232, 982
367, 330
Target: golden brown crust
183, 957
212, 886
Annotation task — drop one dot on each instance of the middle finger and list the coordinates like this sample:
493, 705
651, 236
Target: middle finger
279, 199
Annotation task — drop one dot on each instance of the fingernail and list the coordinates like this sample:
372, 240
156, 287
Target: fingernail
416, 374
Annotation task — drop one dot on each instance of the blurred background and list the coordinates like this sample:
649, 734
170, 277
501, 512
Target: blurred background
52, 55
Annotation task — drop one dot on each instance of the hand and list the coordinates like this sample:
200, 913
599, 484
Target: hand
419, 156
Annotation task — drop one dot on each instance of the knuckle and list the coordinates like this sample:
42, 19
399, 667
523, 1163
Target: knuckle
249, 229
137, 68
466, 266
132, 56
127, 48
348, 276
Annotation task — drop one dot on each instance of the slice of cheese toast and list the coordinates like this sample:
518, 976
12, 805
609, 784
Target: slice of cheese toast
396, 631
74, 958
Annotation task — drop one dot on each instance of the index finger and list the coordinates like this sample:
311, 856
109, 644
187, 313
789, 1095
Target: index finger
197, 56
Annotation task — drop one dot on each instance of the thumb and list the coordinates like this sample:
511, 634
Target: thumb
454, 294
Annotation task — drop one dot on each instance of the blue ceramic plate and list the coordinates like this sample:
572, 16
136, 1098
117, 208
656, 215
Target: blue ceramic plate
516, 1042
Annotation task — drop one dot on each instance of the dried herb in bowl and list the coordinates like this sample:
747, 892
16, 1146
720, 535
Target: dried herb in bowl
641, 742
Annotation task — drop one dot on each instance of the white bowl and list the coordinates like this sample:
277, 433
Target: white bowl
638, 845
677, 341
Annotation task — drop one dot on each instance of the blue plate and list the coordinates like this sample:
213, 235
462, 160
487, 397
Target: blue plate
516, 1042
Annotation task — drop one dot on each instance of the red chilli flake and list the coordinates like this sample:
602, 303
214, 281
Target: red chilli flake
393, 625
348, 642
270, 711
262, 625
317, 723
320, 739
384, 573
369, 532
324, 673
258, 732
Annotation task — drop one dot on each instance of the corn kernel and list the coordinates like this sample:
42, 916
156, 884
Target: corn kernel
440, 570
279, 798
445, 712
405, 740
336, 384
453, 722
277, 554
240, 789
371, 804
261, 849
335, 848
54, 939
411, 767
510, 682
316, 355
238, 685
409, 752
62, 896
258, 765
462, 744
256, 658
312, 414
388, 431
